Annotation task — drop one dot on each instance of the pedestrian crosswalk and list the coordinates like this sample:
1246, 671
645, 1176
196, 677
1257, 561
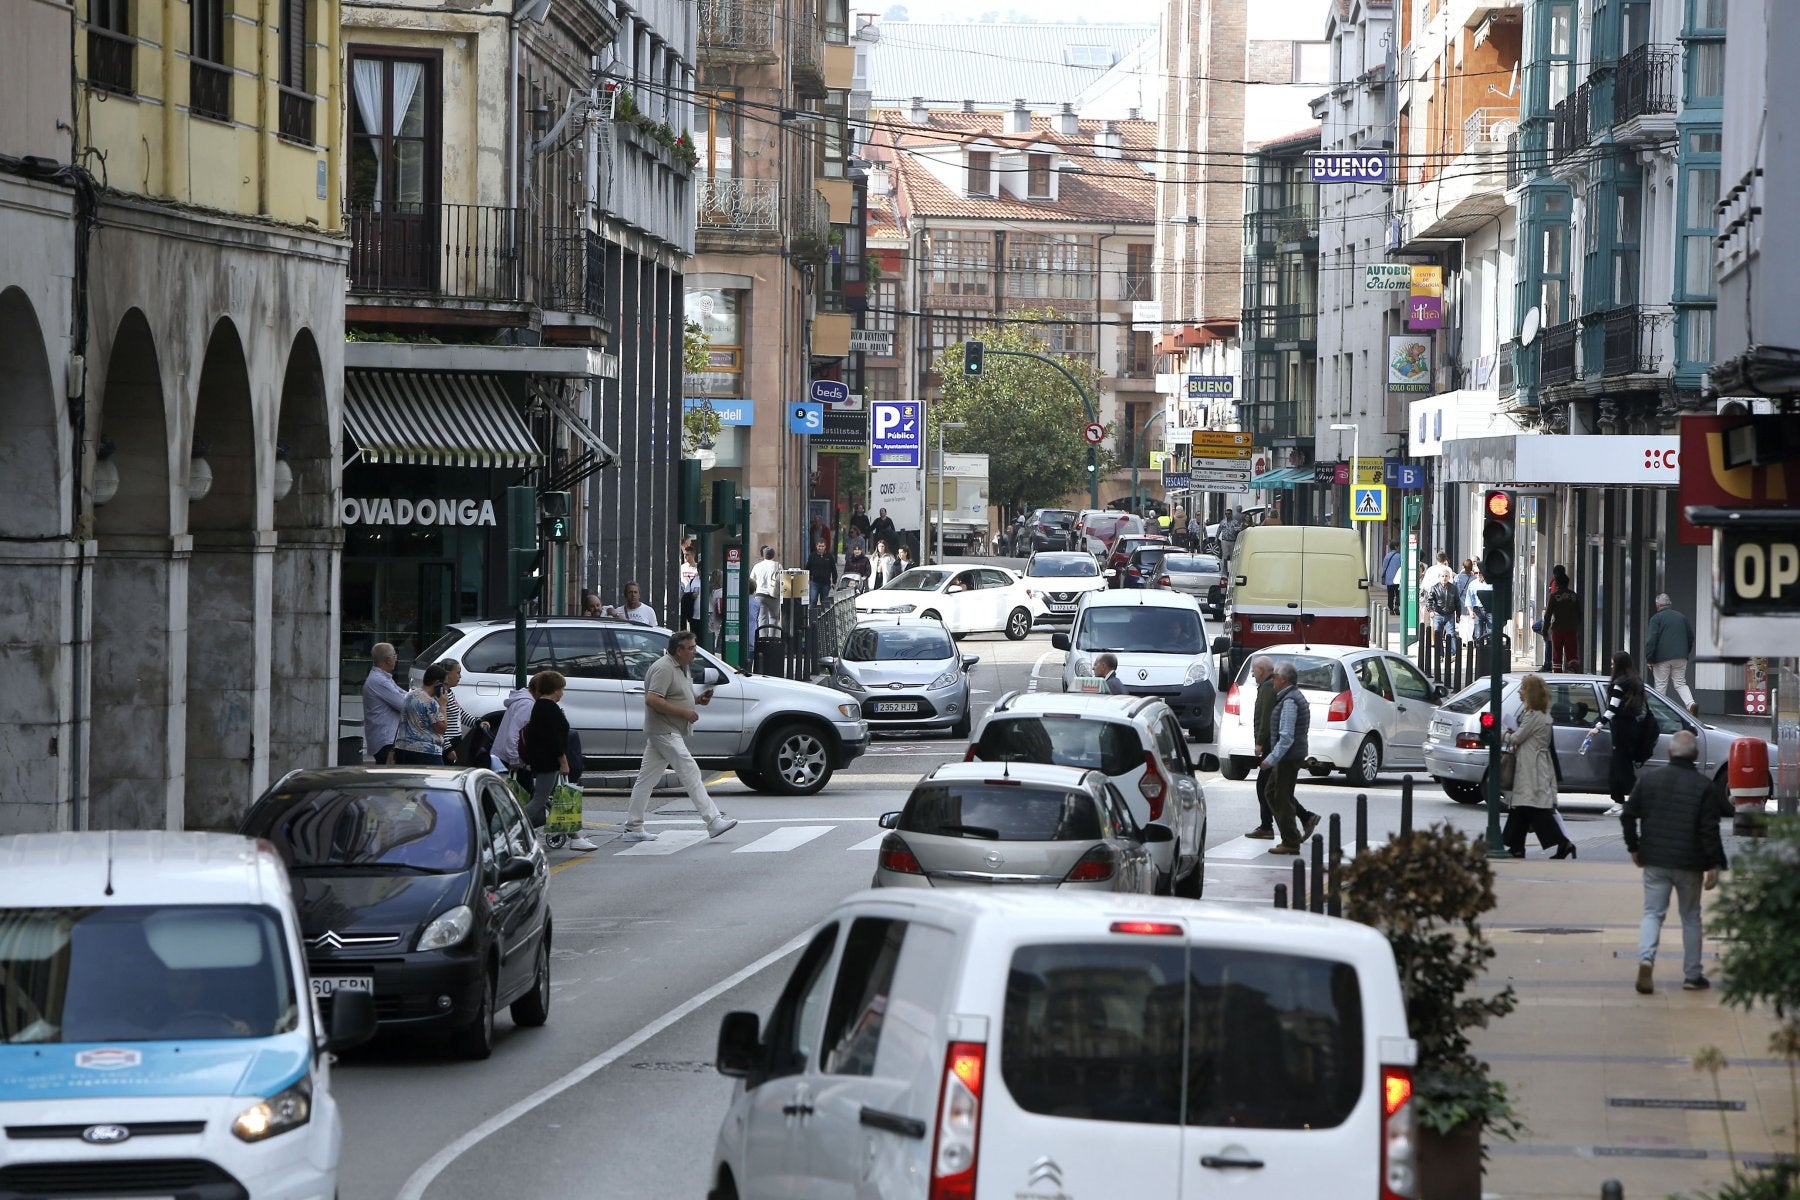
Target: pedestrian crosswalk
788, 837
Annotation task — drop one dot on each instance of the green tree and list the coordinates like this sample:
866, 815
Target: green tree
1022, 414
699, 426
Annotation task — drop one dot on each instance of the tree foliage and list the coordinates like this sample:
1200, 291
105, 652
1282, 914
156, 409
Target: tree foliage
1022, 414
1757, 921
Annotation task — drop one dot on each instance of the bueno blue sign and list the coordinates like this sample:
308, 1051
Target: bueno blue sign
1348, 168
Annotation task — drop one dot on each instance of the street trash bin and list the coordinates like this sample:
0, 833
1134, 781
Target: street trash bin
1748, 778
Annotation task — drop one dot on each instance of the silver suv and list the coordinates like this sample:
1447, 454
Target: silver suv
777, 734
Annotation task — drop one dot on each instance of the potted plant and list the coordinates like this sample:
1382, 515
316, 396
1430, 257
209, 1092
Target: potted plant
1425, 892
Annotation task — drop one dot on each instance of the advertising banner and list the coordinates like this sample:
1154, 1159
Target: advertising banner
1409, 365
1425, 307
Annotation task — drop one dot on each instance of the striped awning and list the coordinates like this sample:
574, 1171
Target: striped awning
437, 419
1282, 477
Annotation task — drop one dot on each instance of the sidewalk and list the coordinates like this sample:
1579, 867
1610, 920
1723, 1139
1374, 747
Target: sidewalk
1602, 1076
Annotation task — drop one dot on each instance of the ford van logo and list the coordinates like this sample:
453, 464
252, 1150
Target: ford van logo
110, 1058
105, 1135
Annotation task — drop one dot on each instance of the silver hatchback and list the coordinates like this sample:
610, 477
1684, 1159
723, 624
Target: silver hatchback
906, 673
982, 824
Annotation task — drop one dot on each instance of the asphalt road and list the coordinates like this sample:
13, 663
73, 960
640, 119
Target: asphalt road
616, 1096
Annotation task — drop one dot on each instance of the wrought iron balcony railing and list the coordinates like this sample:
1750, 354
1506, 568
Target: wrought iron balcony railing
448, 251
1135, 286
1559, 354
1570, 122
737, 24
1649, 81
1630, 340
743, 205
574, 272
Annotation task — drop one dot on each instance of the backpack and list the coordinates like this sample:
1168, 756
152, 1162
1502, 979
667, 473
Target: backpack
1442, 600
1645, 736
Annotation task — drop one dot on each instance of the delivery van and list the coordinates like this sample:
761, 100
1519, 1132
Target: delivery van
157, 1033
1295, 583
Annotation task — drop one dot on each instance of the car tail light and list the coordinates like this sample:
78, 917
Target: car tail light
958, 1123
1096, 866
1341, 707
1165, 581
1469, 741
1148, 928
1231, 702
897, 858
1399, 1177
1154, 787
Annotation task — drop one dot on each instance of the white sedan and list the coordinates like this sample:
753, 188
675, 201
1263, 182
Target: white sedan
965, 599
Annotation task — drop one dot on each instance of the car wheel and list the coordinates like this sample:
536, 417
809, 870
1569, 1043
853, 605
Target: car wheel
930, 614
795, 761
475, 1041
533, 1008
1018, 625
1464, 792
1234, 767
727, 1189
1366, 766
752, 778
964, 724
1318, 772
1720, 792
1192, 885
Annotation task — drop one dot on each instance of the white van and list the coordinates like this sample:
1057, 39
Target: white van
157, 1034
1020, 1042
1160, 640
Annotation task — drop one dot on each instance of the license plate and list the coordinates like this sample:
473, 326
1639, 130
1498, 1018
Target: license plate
894, 706
1062, 608
330, 984
1271, 627
1442, 728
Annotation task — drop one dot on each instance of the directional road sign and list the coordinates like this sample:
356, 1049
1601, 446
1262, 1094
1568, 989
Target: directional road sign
896, 434
806, 418
1220, 453
1368, 503
1095, 433
1233, 480
1223, 439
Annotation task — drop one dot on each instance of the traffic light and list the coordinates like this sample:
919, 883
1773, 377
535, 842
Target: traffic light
972, 354
553, 514
521, 544
1489, 725
1498, 517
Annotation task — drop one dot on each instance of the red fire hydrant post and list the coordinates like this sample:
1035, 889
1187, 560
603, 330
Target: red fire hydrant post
1748, 778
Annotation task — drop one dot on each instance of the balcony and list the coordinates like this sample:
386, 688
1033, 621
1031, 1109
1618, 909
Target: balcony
1284, 226
1135, 286
438, 251
806, 53
209, 90
744, 206
109, 63
1630, 340
294, 112
1286, 324
1570, 130
1647, 93
1489, 127
574, 272
743, 25
1559, 354
1508, 370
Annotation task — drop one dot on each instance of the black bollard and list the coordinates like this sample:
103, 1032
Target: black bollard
1405, 805
1317, 903
1362, 822
1334, 897
1281, 895
1612, 1189
1299, 893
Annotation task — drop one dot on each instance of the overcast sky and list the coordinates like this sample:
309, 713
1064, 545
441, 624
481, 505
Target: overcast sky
1268, 18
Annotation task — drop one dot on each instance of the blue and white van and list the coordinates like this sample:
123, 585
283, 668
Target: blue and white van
157, 1033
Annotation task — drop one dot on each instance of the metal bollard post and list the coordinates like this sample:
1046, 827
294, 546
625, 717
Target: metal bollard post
1334, 896
1362, 822
1612, 1189
1298, 896
1317, 901
1281, 895
1406, 786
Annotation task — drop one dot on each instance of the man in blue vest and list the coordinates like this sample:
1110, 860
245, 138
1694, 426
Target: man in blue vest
1291, 720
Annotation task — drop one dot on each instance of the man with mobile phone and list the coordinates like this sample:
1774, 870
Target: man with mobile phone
670, 710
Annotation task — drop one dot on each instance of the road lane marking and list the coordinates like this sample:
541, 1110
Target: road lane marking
786, 838
431, 1168
669, 841
873, 843
1038, 666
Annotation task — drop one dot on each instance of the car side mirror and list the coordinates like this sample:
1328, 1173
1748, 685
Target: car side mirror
740, 1045
712, 677
1222, 644
1207, 761
516, 868
969, 661
1439, 691
1158, 833
1109, 573
1241, 580
1060, 641
352, 1020
954, 588
826, 660
1363, 584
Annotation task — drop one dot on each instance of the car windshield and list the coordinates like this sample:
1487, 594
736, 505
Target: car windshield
1063, 566
377, 827
136, 973
1141, 629
1191, 564
998, 810
1062, 741
898, 642
1313, 672
919, 579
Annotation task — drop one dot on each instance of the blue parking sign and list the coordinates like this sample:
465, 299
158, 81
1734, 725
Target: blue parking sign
896, 434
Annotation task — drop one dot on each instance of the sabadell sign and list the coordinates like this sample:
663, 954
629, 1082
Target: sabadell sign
356, 510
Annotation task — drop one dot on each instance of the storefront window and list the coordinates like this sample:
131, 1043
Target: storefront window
720, 314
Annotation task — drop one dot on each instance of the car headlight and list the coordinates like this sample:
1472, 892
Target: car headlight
1198, 672
1084, 665
852, 711
946, 679
850, 682
287, 1109
448, 929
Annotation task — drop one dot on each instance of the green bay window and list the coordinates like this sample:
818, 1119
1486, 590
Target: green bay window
1704, 36
1696, 223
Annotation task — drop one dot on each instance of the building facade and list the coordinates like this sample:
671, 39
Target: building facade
171, 329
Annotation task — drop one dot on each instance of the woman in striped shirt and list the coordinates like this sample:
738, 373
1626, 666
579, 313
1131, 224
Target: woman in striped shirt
454, 723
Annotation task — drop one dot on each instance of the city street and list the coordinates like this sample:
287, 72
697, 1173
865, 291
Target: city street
654, 942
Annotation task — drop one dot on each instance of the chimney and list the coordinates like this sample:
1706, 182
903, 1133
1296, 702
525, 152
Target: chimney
1108, 143
1066, 121
1131, 114
917, 113
968, 106
1019, 119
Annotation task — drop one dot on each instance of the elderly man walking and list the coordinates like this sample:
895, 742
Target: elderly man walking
1671, 823
670, 709
1668, 644
1289, 723
384, 703
1262, 673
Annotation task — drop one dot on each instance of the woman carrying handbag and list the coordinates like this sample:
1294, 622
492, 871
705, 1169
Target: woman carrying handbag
1533, 788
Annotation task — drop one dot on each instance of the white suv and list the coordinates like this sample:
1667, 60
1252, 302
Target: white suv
1031, 1042
1161, 643
779, 735
1136, 743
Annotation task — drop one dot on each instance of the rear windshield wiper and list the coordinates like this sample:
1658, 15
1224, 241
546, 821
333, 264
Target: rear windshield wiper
975, 831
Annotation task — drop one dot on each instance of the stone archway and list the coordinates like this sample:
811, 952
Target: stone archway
37, 582
139, 633
227, 743
303, 700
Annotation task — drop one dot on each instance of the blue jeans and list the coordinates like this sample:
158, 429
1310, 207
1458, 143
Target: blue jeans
1445, 627
1658, 883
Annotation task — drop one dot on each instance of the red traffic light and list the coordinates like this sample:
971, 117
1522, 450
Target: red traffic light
1499, 505
1488, 722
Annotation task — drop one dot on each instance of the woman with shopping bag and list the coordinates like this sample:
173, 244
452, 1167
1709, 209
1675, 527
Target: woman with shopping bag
544, 750
1532, 789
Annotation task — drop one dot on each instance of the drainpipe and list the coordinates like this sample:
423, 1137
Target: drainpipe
264, 127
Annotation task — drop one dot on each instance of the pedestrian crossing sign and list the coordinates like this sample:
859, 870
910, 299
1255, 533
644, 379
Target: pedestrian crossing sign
1368, 502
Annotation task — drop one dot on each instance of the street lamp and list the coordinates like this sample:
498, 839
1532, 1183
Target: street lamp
1355, 459
941, 426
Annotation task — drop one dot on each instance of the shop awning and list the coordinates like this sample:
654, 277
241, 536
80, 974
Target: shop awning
433, 418
1283, 477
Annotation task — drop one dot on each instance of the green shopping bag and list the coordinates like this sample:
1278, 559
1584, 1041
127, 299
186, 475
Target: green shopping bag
565, 810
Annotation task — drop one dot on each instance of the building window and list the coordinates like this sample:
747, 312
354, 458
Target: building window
715, 133
1696, 203
393, 128
981, 173
962, 263
209, 79
1627, 234
720, 315
1056, 266
1705, 38
296, 103
884, 301
110, 46
1140, 354
880, 384
1075, 339
1139, 282
945, 332
1554, 65
1037, 176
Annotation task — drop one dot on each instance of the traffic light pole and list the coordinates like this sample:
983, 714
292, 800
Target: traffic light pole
1497, 664
1093, 451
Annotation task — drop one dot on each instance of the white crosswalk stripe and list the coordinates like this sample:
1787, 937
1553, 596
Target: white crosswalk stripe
873, 843
786, 838
668, 841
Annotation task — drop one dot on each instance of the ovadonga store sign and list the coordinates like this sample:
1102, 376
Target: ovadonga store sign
356, 510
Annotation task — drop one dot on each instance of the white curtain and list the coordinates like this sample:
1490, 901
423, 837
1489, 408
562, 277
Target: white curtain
406, 82
368, 83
